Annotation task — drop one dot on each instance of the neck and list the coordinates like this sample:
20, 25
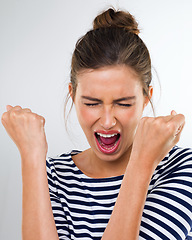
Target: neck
106, 168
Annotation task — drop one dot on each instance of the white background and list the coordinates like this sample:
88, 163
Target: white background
36, 43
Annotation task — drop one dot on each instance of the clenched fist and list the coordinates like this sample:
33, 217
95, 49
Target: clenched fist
27, 131
155, 137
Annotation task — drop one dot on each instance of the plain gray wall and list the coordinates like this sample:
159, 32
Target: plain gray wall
36, 43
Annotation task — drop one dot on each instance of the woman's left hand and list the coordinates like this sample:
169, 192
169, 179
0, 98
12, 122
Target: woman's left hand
155, 137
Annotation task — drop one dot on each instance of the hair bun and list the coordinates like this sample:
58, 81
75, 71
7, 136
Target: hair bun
113, 18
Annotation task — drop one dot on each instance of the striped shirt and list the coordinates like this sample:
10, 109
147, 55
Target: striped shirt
83, 205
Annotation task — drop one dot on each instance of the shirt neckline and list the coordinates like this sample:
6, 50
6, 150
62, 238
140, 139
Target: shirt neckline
75, 152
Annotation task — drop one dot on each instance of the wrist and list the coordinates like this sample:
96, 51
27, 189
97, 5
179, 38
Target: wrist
33, 163
141, 165
33, 175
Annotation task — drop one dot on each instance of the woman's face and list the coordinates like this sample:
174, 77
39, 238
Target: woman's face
109, 103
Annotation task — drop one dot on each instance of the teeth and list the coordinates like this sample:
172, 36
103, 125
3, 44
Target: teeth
106, 135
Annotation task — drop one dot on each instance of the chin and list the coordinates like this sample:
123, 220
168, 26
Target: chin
109, 157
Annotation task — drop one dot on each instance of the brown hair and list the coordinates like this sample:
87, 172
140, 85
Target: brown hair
114, 40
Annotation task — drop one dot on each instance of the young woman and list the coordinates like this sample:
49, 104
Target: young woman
133, 182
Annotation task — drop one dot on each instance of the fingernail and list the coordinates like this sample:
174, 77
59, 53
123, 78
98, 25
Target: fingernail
173, 112
178, 131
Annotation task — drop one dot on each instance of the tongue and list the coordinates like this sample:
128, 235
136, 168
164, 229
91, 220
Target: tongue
109, 141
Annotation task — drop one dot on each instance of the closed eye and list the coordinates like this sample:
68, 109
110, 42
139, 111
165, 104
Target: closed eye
119, 104
91, 104
124, 105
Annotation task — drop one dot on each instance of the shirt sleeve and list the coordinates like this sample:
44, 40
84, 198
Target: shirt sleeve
168, 209
57, 208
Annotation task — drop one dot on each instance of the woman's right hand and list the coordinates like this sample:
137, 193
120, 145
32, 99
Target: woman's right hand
26, 129
155, 137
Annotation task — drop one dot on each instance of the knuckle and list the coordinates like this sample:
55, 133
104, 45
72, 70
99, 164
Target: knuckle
17, 107
35, 118
27, 110
146, 120
182, 117
32, 116
171, 127
143, 119
13, 114
159, 122
18, 115
4, 117
42, 119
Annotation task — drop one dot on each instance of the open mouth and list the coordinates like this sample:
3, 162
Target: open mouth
107, 143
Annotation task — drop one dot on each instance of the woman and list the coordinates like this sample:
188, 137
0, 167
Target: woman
133, 182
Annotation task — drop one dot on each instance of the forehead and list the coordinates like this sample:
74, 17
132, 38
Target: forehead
118, 80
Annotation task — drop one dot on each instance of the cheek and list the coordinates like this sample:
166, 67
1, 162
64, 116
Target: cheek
130, 118
86, 116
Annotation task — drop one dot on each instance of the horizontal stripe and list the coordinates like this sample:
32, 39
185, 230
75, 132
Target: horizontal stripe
82, 206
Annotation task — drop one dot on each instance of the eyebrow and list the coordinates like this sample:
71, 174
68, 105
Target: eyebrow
91, 99
116, 100
125, 99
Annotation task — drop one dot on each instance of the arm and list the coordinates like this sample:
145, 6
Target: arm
127, 212
37, 216
27, 131
154, 139
168, 209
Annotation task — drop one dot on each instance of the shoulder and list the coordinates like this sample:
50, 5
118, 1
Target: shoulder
62, 164
175, 167
180, 153
176, 158
64, 158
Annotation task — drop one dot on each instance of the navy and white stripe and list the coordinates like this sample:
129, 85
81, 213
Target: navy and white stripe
82, 205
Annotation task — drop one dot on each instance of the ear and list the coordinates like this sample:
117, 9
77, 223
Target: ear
150, 94
71, 90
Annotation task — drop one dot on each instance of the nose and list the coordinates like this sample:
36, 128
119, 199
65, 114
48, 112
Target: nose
107, 119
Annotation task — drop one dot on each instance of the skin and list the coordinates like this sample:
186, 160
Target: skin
108, 84
27, 131
135, 157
